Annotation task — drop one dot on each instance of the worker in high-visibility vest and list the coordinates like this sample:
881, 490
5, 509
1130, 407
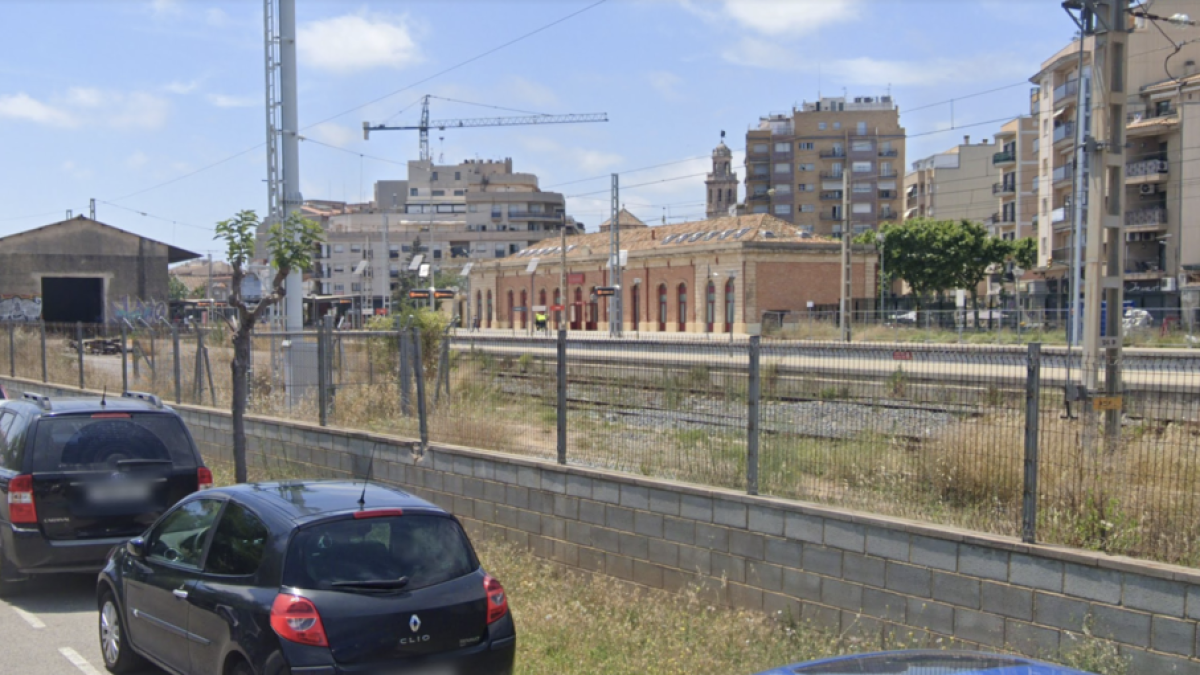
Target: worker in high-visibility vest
540, 320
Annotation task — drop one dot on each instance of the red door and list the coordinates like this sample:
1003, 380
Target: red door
577, 310
636, 315
525, 314
729, 306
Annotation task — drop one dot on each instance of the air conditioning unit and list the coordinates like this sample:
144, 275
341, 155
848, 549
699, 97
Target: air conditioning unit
1148, 189
1170, 284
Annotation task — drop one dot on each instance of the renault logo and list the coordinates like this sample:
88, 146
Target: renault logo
414, 623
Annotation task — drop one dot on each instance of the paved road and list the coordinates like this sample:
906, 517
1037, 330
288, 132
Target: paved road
49, 628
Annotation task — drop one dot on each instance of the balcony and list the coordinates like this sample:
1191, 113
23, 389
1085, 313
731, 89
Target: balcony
1008, 217
835, 217
1037, 185
1147, 171
1064, 132
1065, 90
831, 195
831, 175
760, 197
888, 214
1147, 217
1063, 173
1005, 157
1037, 145
832, 154
1061, 255
1004, 188
532, 215
887, 194
759, 156
1058, 215
889, 153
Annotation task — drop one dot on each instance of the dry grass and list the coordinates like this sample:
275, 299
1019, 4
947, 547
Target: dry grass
630, 630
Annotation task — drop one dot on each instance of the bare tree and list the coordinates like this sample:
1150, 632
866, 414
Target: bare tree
290, 246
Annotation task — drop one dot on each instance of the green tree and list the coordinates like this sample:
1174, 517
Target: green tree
290, 247
919, 251
1023, 253
974, 254
176, 289
402, 305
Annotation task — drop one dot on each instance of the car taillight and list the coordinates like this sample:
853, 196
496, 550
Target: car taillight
21, 509
203, 478
296, 619
497, 601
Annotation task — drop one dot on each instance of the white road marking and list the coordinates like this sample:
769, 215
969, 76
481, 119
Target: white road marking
78, 661
29, 618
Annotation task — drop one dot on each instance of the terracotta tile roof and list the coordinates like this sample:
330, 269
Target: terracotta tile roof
701, 233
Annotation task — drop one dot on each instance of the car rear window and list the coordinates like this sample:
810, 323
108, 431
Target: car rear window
103, 440
427, 549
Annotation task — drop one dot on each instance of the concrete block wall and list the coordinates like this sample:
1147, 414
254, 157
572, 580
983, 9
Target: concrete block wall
895, 580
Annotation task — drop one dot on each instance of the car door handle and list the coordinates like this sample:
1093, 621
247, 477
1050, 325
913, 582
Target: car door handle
180, 593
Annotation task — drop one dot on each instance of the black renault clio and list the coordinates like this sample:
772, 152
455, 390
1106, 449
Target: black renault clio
291, 578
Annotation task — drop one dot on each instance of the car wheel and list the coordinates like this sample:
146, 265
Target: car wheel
114, 639
241, 668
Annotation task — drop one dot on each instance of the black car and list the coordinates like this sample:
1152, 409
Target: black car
80, 476
312, 578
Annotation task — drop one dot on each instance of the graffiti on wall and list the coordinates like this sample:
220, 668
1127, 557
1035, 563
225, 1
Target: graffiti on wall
20, 307
137, 310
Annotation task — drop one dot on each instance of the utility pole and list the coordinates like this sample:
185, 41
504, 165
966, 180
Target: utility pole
844, 307
614, 260
290, 146
212, 303
1078, 198
562, 271
1107, 22
387, 265
92, 207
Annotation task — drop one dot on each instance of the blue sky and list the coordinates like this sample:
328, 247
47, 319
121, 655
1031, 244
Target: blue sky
106, 99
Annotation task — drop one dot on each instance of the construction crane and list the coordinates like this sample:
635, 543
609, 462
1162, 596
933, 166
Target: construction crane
426, 124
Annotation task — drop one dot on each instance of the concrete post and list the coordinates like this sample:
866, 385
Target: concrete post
322, 379
79, 349
405, 370
124, 359
562, 394
419, 367
12, 350
175, 364
1032, 409
754, 390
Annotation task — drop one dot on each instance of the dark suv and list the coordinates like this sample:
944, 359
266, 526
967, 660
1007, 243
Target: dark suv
79, 476
304, 578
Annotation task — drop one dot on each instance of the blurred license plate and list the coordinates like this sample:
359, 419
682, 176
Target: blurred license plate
118, 491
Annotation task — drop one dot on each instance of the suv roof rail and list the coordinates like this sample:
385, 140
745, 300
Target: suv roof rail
42, 402
143, 396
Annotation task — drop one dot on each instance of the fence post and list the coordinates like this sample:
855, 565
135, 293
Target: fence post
754, 390
79, 349
175, 352
124, 361
12, 350
1032, 401
562, 395
419, 367
405, 371
45, 377
322, 374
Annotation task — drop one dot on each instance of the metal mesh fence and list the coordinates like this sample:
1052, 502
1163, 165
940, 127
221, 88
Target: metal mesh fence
973, 436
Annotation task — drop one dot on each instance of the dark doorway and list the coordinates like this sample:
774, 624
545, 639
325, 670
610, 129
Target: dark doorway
71, 299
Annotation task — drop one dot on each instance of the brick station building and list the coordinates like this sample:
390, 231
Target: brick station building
712, 276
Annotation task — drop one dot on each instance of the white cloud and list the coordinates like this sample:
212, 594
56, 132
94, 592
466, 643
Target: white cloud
85, 97
179, 87
137, 160
592, 161
334, 134
866, 70
139, 110
24, 107
531, 94
72, 169
165, 7
666, 84
758, 53
224, 101
216, 16
780, 17
356, 42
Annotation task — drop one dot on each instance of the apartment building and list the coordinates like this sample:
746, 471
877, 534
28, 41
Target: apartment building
1016, 188
475, 210
1162, 178
799, 163
958, 184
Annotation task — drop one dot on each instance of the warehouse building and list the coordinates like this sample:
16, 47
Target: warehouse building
84, 270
